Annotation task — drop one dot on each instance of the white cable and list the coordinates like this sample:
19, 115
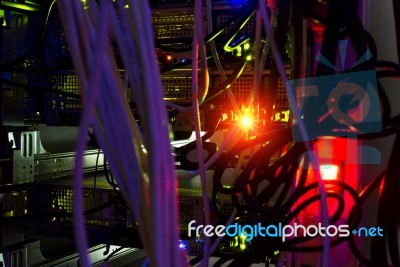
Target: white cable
88, 113
199, 50
254, 95
142, 186
163, 183
154, 178
303, 131
216, 58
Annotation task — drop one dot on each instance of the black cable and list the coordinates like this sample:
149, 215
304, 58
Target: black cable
352, 218
113, 253
261, 154
236, 20
175, 66
109, 177
297, 7
388, 215
396, 10
285, 177
95, 170
243, 179
355, 28
330, 37
228, 82
303, 174
388, 74
195, 260
284, 191
383, 69
289, 244
187, 62
298, 193
362, 196
372, 46
316, 198
225, 158
263, 169
269, 93
242, 183
385, 64
204, 138
234, 41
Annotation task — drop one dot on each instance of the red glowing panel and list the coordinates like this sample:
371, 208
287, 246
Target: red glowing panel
329, 172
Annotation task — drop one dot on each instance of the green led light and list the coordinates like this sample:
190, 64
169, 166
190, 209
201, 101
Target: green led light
242, 238
236, 242
2, 14
21, 6
246, 46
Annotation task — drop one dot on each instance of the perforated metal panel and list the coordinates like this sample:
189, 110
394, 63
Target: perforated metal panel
67, 82
177, 88
241, 89
173, 25
248, 28
56, 43
61, 201
281, 95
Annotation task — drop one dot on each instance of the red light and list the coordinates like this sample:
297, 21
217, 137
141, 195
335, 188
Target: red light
329, 172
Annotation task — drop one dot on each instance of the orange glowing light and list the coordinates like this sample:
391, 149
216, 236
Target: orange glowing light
246, 121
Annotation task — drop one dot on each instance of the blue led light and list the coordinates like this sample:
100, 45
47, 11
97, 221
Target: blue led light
183, 244
237, 2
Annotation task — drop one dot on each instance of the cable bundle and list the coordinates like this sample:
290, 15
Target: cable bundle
141, 163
